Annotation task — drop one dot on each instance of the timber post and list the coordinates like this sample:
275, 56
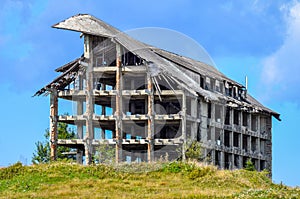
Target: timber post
53, 124
150, 127
118, 113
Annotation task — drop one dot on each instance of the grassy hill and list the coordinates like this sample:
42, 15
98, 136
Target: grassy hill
159, 180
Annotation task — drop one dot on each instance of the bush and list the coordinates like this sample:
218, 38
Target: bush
199, 172
176, 167
11, 171
249, 165
194, 151
105, 154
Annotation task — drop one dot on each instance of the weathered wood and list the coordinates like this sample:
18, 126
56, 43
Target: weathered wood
53, 124
150, 127
118, 113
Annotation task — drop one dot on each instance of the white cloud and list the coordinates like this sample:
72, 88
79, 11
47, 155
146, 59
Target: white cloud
281, 70
270, 70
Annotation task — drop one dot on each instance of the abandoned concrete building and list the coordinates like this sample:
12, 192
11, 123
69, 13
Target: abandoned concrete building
148, 102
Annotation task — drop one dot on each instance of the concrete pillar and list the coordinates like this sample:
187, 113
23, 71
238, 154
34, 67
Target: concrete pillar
231, 117
118, 112
213, 135
194, 128
213, 156
103, 112
53, 124
213, 112
150, 127
241, 140
250, 145
203, 120
89, 103
79, 125
222, 160
194, 107
222, 111
241, 161
79, 131
240, 118
231, 139
258, 124
249, 122
183, 126
259, 151
231, 160
194, 115
222, 139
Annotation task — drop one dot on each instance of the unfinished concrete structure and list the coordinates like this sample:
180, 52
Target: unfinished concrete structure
148, 102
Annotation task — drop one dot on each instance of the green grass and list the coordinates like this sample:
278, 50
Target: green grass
161, 180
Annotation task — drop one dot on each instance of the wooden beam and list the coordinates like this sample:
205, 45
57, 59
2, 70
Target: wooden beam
150, 127
53, 124
118, 113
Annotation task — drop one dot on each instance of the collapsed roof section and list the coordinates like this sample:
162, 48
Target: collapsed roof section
69, 73
160, 63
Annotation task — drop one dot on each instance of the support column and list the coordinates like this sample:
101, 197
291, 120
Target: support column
222, 160
231, 160
240, 162
194, 128
249, 122
202, 134
258, 125
79, 131
248, 143
53, 124
231, 138
118, 112
231, 117
213, 135
103, 112
194, 115
89, 104
183, 125
213, 112
213, 156
150, 128
268, 163
222, 144
241, 140
240, 118
79, 124
259, 152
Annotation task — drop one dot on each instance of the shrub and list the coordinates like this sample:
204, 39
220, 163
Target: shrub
11, 171
249, 165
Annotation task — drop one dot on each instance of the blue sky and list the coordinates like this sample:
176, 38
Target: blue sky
256, 38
